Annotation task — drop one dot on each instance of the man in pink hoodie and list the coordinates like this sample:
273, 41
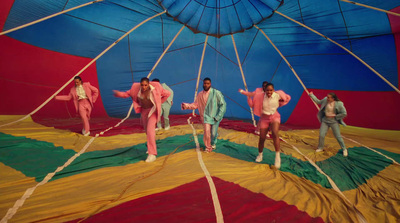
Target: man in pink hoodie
84, 96
147, 100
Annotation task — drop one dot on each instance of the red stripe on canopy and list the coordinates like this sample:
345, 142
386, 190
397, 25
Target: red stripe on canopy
380, 106
192, 202
31, 75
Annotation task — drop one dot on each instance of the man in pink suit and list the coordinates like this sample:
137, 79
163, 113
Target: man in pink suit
84, 96
265, 106
147, 100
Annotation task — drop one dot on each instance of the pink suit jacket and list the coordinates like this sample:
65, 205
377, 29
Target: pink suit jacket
91, 92
159, 93
257, 101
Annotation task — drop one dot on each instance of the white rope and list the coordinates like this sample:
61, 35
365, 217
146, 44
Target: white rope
243, 78
217, 206
287, 62
83, 69
12, 211
199, 72
301, 82
371, 7
165, 51
360, 216
344, 48
48, 17
394, 161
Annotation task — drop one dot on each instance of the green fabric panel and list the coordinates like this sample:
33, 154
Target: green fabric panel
36, 159
122, 156
289, 163
347, 172
33, 158
360, 165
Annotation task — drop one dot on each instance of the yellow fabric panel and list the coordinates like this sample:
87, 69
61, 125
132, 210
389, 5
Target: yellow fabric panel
260, 178
381, 192
307, 141
13, 185
79, 195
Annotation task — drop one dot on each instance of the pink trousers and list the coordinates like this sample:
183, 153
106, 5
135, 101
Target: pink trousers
149, 124
85, 109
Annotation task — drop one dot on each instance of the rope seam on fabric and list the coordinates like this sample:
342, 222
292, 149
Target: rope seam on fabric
132, 183
299, 77
48, 17
213, 190
199, 72
162, 55
287, 62
345, 25
387, 157
83, 69
12, 211
370, 7
248, 51
360, 216
130, 57
243, 78
344, 48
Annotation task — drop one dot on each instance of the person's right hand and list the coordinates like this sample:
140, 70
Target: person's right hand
310, 92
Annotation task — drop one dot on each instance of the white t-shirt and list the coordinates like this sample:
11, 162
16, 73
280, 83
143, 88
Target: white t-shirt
270, 105
81, 92
330, 109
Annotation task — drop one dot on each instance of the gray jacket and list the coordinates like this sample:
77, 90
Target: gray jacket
340, 110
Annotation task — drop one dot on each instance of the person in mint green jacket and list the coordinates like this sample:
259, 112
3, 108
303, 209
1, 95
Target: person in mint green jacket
212, 107
165, 107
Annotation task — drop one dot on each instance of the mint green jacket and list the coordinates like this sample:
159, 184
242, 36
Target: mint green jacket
215, 107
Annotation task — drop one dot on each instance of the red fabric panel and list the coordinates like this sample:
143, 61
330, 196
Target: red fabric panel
192, 202
132, 125
30, 75
5, 6
395, 24
364, 109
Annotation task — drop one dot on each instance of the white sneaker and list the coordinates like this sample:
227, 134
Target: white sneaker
158, 129
259, 158
167, 127
319, 150
345, 153
257, 132
151, 158
87, 134
277, 161
83, 132
214, 147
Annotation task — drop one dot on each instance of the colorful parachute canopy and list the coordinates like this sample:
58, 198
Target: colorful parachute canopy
39, 59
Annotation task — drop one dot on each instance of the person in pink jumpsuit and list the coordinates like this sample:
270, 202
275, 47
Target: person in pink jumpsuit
147, 100
212, 107
265, 106
84, 96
